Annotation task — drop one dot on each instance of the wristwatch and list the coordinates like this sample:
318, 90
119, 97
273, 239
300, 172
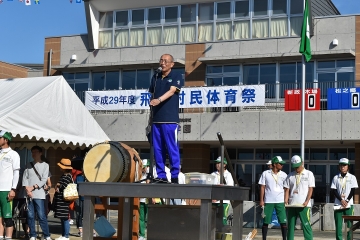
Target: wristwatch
347, 200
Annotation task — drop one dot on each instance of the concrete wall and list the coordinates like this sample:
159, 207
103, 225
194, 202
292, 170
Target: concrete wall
243, 126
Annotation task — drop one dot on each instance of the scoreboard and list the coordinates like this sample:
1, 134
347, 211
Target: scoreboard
343, 98
293, 99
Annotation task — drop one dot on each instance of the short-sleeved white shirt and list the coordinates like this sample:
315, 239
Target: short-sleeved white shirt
274, 188
228, 179
347, 183
9, 161
306, 180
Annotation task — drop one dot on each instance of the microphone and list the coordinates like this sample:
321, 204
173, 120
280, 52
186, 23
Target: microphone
158, 70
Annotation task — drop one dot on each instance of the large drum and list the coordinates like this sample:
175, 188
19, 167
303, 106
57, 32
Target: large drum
112, 162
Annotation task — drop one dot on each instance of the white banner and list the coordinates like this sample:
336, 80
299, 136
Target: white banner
199, 97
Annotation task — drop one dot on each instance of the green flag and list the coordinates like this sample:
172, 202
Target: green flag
305, 48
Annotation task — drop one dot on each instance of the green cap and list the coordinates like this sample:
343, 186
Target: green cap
218, 160
145, 162
296, 161
344, 161
277, 159
6, 135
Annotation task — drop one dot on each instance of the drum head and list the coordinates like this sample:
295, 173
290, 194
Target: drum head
105, 162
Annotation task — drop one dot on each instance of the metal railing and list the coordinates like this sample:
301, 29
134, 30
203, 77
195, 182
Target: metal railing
274, 98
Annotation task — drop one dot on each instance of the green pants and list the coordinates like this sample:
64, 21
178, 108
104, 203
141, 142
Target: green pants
280, 212
225, 212
304, 214
142, 218
339, 221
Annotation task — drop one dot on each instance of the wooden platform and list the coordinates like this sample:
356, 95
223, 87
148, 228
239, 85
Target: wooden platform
129, 191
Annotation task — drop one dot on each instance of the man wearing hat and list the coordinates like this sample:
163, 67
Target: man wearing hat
9, 177
343, 187
143, 201
272, 195
269, 164
299, 186
228, 180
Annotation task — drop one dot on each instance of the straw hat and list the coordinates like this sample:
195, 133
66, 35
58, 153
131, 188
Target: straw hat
65, 163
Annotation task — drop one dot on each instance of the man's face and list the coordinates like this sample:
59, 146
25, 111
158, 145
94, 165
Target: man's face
343, 168
299, 169
166, 63
36, 154
3, 142
278, 166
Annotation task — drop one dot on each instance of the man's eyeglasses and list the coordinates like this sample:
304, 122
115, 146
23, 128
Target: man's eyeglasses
164, 61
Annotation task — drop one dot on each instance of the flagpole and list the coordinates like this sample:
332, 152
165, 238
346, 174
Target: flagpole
303, 110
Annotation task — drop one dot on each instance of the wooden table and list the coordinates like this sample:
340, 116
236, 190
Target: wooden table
178, 191
352, 227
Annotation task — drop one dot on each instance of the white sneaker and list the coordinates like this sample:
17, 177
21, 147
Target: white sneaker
32, 238
48, 238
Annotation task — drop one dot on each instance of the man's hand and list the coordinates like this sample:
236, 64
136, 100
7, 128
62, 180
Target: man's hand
344, 203
11, 195
305, 203
155, 102
261, 203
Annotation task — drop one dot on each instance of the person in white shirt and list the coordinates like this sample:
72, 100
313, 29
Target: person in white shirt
343, 187
269, 164
299, 186
9, 178
272, 195
228, 180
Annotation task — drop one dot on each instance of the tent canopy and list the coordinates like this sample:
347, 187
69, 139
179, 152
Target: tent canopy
45, 111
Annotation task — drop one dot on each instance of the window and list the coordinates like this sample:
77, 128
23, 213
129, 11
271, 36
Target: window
128, 79
245, 154
79, 82
279, 7
241, 9
138, 17
106, 20
260, 7
98, 81
223, 10
112, 80
201, 22
227, 75
188, 13
154, 16
318, 154
171, 14
122, 18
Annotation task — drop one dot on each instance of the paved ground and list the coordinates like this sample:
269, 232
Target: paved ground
273, 234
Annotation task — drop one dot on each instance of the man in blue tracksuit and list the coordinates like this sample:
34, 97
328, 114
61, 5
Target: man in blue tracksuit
165, 88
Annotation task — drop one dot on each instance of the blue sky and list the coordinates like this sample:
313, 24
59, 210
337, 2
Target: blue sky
24, 28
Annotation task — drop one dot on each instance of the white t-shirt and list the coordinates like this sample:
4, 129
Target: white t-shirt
301, 183
343, 185
228, 179
274, 187
9, 161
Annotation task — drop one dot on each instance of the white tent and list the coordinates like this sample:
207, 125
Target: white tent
45, 111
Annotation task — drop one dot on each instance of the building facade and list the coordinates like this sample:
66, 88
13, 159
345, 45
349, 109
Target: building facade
237, 42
